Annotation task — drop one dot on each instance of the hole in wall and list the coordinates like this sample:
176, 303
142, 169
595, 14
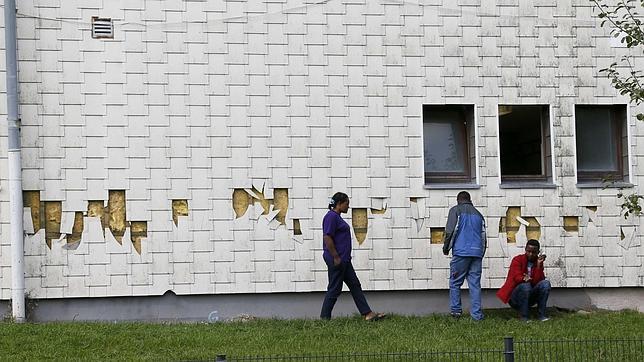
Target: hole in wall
179, 208
117, 217
138, 231
571, 223
360, 224
53, 215
436, 235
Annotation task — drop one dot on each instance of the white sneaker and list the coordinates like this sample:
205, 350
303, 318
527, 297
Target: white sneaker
544, 319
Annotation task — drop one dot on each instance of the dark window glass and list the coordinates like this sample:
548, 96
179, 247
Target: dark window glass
598, 131
523, 131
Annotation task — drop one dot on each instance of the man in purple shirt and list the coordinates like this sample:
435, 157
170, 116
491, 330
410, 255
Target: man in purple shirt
337, 256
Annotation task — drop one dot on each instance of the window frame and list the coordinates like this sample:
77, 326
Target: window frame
467, 130
546, 149
619, 118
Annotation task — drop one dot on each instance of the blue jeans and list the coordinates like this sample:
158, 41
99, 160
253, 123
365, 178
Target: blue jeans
343, 273
462, 267
525, 295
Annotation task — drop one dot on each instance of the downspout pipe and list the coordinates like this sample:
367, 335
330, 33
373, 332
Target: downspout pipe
15, 166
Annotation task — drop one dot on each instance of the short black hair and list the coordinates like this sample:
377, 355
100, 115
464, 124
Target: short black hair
534, 243
463, 196
337, 199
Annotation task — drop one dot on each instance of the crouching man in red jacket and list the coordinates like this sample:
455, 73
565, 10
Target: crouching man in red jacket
526, 285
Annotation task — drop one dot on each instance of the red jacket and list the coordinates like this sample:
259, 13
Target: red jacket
518, 267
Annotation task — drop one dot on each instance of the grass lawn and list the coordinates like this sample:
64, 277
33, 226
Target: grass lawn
155, 341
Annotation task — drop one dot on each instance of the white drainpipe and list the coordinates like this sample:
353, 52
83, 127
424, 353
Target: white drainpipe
15, 166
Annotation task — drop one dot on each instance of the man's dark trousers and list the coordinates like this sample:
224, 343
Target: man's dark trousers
525, 295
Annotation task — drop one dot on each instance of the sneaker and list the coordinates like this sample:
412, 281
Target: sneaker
456, 315
544, 319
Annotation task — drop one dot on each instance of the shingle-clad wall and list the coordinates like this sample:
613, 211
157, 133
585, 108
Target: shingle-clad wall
193, 100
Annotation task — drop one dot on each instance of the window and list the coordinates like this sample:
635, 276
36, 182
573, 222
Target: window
524, 141
448, 133
602, 147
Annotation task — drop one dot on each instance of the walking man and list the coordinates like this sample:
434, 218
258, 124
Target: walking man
465, 236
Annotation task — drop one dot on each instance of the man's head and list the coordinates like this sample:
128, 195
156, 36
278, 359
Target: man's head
532, 250
463, 196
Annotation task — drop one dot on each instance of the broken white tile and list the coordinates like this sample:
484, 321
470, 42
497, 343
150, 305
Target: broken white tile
257, 211
92, 230
27, 221
113, 246
272, 214
268, 193
274, 224
521, 236
298, 239
67, 222
258, 184
377, 203
420, 204
182, 231
419, 225
251, 193
414, 210
629, 234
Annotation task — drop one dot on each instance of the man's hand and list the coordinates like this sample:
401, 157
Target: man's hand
526, 278
540, 260
337, 260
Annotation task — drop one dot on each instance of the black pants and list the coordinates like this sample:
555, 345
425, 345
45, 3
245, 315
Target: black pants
343, 273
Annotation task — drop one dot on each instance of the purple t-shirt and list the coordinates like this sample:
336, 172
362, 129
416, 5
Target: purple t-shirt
338, 229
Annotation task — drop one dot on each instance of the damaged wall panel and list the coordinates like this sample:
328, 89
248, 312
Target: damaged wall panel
360, 224
571, 223
378, 211
116, 207
243, 198
436, 235
297, 228
96, 208
138, 231
266, 203
280, 201
510, 225
241, 201
533, 231
77, 229
31, 199
179, 208
53, 216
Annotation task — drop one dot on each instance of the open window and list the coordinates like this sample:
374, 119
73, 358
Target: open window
448, 132
525, 144
602, 145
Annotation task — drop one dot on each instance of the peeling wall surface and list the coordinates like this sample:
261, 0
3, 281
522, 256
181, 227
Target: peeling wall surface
196, 151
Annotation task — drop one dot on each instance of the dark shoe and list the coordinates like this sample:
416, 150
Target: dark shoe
456, 315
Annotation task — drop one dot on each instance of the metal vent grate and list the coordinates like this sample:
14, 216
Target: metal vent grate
102, 28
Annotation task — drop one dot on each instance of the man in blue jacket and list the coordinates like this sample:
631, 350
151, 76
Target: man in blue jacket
465, 236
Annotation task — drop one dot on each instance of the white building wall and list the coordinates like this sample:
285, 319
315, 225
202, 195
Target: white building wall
194, 99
